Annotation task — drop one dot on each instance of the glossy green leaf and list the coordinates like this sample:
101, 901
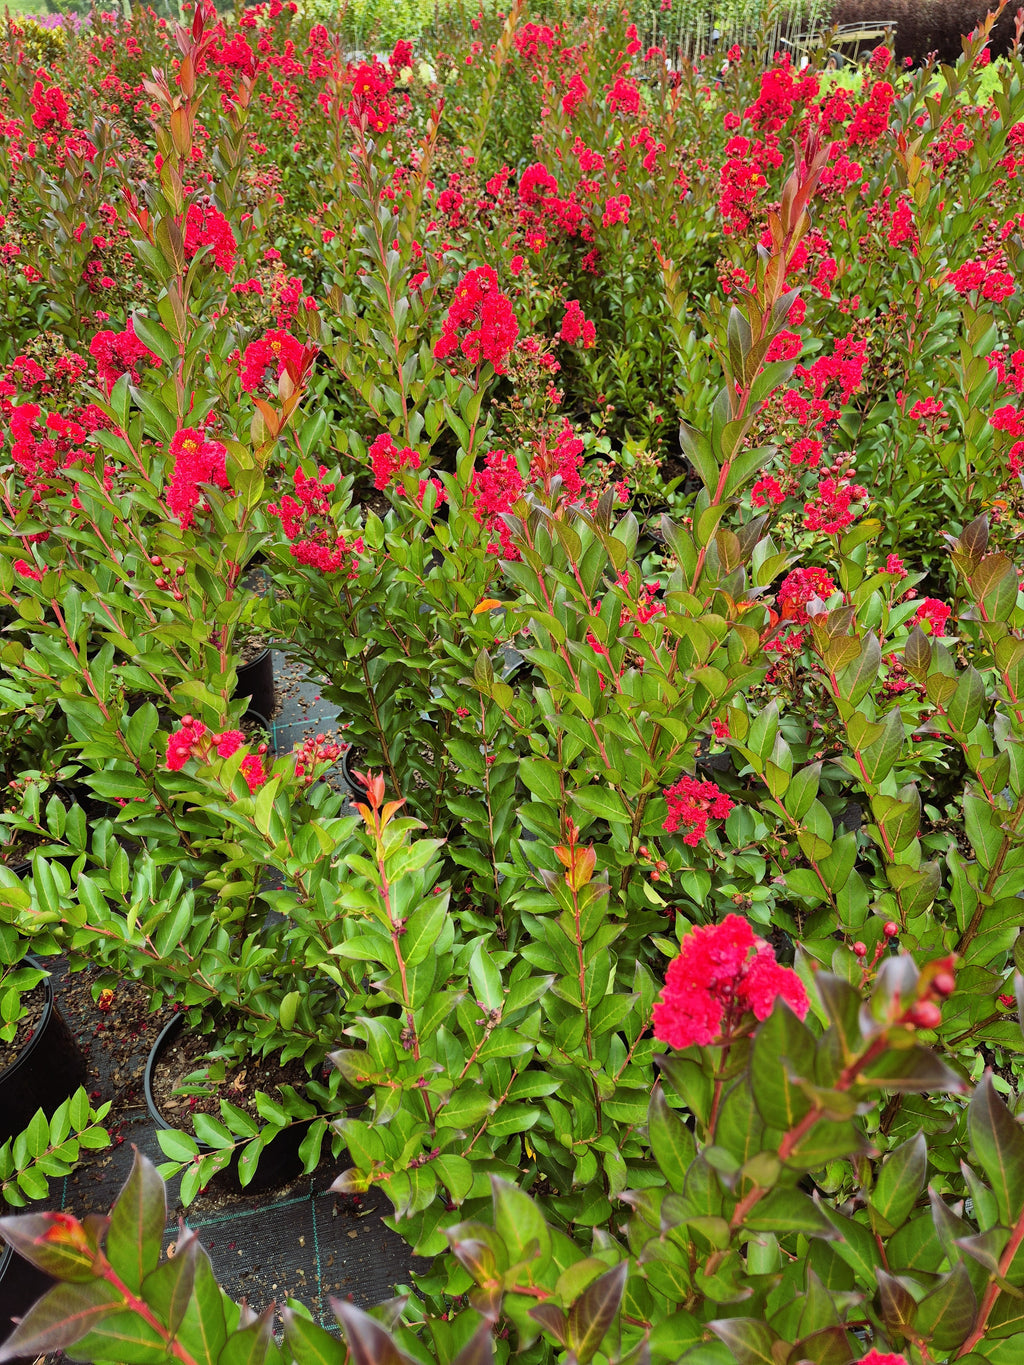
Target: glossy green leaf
672, 1143
998, 1142
900, 1182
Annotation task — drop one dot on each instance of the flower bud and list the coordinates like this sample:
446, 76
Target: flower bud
925, 1014
891, 928
860, 949
944, 983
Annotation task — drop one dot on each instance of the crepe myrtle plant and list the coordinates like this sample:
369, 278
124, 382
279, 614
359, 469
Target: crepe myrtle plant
879, 780
252, 835
730, 1252
614, 701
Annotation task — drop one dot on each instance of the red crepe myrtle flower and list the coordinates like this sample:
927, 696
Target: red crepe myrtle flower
302, 518
480, 322
401, 55
989, 278
189, 741
576, 328
197, 460
935, 613
830, 509
386, 460
715, 981
118, 353
874, 1357
25, 570
49, 107
616, 210
207, 226
694, 803
496, 489
274, 351
798, 588
767, 490
194, 740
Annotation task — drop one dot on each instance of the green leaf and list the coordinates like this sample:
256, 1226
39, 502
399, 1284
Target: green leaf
168, 1288
203, 1329
519, 1223
479, 1349
671, 1141
749, 1340
594, 1312
253, 1344
486, 979
998, 1142
783, 1050
540, 777
946, 1313
422, 930
857, 678
604, 802
369, 1342
900, 1182
788, 1210
62, 1317
897, 1304
310, 1343
137, 1224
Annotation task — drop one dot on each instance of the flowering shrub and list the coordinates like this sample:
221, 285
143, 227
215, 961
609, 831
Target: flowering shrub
730, 718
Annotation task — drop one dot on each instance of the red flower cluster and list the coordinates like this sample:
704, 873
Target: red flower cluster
276, 352
576, 328
714, 982
197, 460
496, 489
206, 226
386, 460
830, 509
935, 613
118, 353
312, 543
798, 588
694, 803
616, 210
194, 740
480, 322
989, 278
370, 106
49, 107
874, 1357
1010, 420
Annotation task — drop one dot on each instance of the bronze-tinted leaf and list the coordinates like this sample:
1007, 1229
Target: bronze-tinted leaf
62, 1317
594, 1312
896, 1303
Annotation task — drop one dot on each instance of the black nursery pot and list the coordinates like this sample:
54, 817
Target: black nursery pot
350, 760
21, 1284
279, 1161
45, 1072
256, 681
